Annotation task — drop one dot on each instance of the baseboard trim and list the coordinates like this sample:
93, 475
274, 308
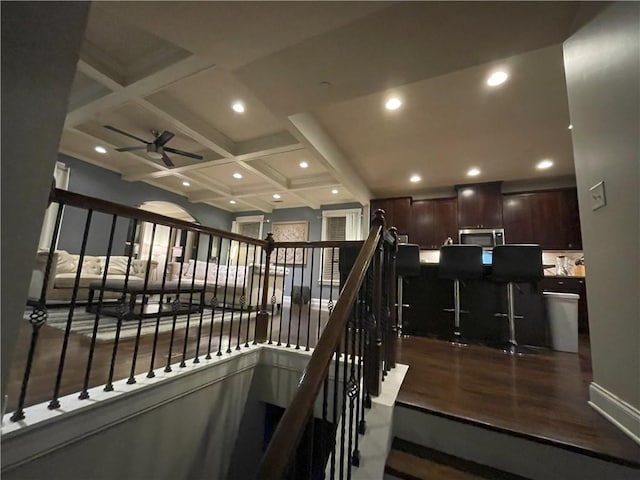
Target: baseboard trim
623, 415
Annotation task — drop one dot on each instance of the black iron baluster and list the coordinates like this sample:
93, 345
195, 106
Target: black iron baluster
203, 294
325, 420
37, 319
310, 297
151, 373
214, 300
353, 385
175, 307
344, 398
282, 299
124, 310
233, 297
336, 381
132, 378
293, 282
355, 457
224, 299
74, 296
194, 256
243, 296
301, 297
259, 302
84, 394
251, 302
320, 301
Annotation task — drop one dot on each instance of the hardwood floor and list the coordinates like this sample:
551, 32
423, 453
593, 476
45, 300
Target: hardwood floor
542, 396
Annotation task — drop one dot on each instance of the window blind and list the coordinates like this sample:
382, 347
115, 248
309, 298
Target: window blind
335, 230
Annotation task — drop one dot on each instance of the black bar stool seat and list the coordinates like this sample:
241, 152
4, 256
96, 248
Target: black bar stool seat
459, 263
513, 264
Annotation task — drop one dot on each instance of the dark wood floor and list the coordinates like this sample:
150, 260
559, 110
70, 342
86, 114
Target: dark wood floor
542, 396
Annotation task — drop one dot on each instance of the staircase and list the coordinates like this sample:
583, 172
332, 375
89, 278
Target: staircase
411, 461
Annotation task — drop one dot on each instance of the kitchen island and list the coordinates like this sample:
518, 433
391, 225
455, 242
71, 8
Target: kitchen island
428, 295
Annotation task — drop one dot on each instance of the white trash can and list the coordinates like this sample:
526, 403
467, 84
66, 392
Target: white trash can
562, 309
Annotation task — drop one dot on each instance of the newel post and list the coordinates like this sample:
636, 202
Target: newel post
374, 370
262, 318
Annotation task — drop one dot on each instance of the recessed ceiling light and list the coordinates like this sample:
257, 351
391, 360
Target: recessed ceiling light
497, 78
415, 178
467, 192
393, 103
238, 107
237, 175
232, 202
186, 184
304, 164
473, 172
570, 127
544, 164
334, 191
276, 196
100, 149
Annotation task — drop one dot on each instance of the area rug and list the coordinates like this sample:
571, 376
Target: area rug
82, 323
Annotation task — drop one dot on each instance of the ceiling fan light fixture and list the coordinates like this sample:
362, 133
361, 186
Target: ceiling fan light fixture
154, 152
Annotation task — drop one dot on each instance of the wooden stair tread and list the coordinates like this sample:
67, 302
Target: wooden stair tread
410, 461
411, 467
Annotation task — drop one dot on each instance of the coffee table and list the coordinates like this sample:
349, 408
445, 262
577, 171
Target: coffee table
146, 308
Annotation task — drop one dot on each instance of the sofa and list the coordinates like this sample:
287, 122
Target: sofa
237, 279
64, 268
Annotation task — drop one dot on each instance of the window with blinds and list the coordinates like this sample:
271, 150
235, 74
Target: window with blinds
334, 229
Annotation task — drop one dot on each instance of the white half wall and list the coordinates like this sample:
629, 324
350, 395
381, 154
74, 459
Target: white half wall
602, 63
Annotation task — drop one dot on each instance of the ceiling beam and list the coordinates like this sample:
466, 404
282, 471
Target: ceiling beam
313, 135
280, 142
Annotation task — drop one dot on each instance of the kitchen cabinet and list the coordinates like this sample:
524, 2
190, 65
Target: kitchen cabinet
397, 212
575, 285
549, 218
480, 205
432, 221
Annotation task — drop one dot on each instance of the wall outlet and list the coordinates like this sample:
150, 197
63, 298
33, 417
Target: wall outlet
598, 199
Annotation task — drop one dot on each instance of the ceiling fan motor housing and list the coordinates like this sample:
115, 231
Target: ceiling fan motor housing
154, 151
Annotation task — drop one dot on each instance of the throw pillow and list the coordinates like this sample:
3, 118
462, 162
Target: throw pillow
67, 263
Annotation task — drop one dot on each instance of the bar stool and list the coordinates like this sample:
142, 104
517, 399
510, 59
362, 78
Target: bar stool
407, 265
513, 264
459, 263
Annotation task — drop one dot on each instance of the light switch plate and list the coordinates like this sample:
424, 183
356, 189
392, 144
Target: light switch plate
598, 199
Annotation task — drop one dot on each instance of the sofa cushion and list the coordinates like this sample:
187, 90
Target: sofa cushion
67, 280
91, 266
67, 263
117, 265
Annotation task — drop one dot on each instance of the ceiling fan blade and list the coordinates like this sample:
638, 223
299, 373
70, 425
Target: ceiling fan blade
167, 161
129, 149
164, 138
125, 133
183, 153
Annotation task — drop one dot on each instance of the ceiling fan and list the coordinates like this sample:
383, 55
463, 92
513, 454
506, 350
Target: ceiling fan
155, 149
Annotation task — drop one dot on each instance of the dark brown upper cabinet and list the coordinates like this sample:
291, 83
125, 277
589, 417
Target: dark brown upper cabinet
397, 212
550, 218
432, 221
480, 205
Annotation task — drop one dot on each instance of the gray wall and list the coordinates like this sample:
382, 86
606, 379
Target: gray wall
314, 217
40, 43
98, 182
602, 62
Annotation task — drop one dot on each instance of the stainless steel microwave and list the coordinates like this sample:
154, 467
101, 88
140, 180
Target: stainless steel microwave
487, 238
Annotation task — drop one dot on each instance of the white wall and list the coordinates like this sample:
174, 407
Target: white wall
602, 63
40, 43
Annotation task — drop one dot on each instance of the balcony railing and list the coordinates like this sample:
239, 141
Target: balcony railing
147, 293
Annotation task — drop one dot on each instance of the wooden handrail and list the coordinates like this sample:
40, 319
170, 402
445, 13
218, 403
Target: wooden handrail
292, 424
73, 199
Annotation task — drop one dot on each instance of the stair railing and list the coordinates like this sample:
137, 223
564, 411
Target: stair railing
345, 370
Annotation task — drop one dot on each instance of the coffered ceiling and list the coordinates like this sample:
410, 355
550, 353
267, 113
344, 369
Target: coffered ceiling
313, 78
